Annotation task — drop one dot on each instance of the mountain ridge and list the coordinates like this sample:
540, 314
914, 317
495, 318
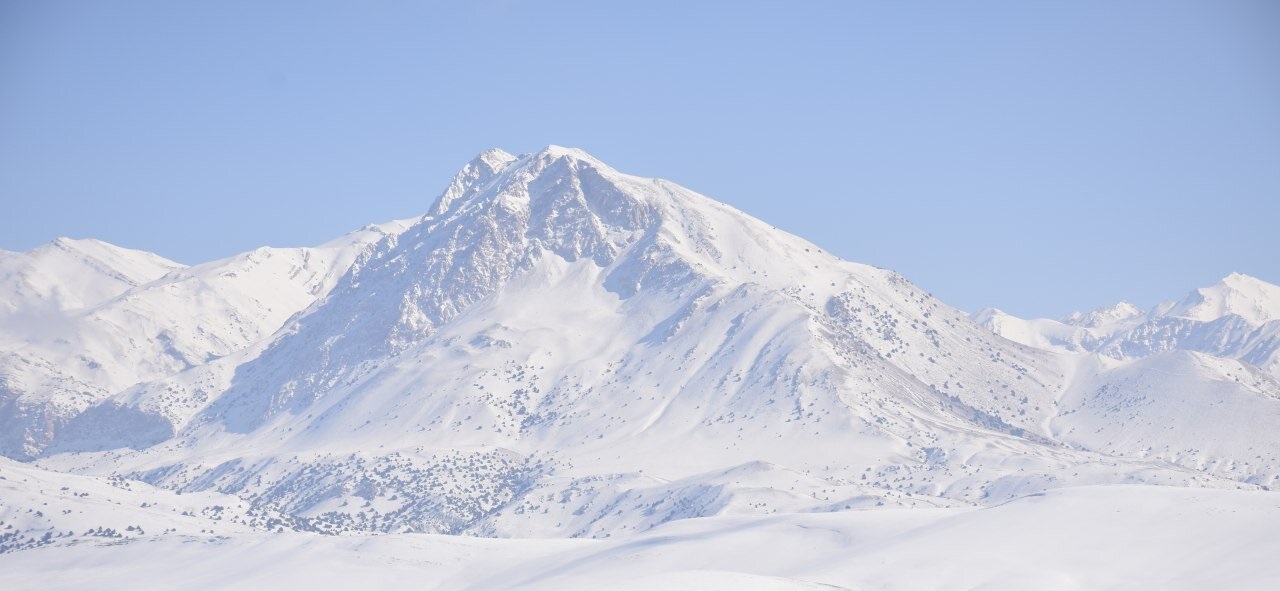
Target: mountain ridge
559, 349
1235, 318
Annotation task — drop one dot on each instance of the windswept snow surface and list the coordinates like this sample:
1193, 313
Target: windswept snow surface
558, 352
1110, 537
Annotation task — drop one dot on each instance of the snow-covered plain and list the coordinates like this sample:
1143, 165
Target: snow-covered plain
563, 376
1105, 537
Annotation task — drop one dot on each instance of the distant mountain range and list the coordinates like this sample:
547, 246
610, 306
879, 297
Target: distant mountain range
1238, 318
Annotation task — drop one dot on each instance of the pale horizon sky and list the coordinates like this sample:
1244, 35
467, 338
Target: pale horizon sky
1036, 157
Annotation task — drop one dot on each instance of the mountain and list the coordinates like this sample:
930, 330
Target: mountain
68, 274
1253, 300
1237, 318
87, 320
1107, 320
1191, 382
557, 349
560, 349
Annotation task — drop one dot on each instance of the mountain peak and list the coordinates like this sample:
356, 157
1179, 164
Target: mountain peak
1240, 281
496, 174
67, 273
1106, 318
541, 160
494, 158
1250, 298
473, 177
554, 151
77, 244
988, 316
99, 251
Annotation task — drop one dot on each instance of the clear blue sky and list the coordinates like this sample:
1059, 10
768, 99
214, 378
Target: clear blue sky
1035, 156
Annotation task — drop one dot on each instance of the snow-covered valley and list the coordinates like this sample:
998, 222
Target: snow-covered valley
563, 376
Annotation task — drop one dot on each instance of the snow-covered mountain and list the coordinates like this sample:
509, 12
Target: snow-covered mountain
1237, 318
1253, 300
558, 349
86, 320
68, 274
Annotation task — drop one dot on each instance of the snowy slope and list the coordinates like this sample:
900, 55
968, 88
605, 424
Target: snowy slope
69, 274
1211, 414
145, 321
39, 508
1168, 538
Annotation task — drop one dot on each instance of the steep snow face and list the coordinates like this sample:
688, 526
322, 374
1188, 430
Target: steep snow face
148, 324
